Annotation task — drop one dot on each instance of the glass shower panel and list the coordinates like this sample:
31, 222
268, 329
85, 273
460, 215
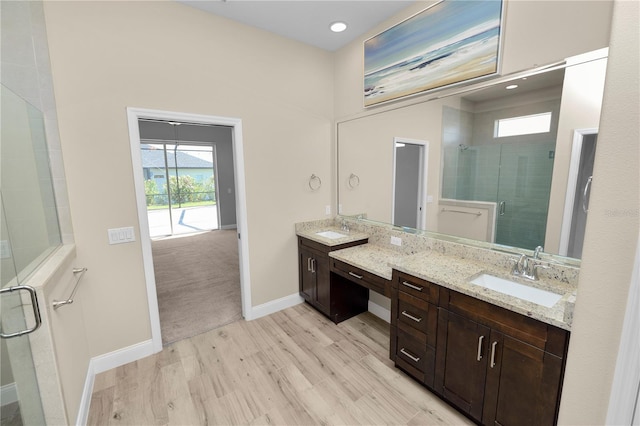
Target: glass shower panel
26, 186
523, 193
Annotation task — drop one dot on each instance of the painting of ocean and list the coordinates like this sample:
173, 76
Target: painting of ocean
450, 42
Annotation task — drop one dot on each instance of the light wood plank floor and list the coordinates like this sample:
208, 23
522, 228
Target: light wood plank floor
294, 367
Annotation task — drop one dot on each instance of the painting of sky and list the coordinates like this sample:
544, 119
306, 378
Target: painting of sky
452, 41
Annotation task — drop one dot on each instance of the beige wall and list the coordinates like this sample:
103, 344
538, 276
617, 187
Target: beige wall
107, 56
611, 234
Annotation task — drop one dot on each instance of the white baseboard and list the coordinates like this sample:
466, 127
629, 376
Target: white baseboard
107, 362
233, 226
8, 394
274, 306
379, 311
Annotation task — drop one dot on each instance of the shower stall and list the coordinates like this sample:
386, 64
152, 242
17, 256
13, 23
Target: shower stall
513, 172
29, 233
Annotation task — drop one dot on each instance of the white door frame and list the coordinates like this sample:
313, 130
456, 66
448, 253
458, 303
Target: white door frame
135, 114
422, 188
572, 183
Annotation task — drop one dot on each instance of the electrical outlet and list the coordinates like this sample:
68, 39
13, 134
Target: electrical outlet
327, 210
396, 241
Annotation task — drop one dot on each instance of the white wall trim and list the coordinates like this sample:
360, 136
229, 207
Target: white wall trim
276, 305
8, 394
233, 226
105, 362
379, 311
626, 380
133, 115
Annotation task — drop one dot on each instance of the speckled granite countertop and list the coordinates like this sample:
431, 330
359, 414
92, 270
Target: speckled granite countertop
312, 234
450, 271
455, 274
370, 257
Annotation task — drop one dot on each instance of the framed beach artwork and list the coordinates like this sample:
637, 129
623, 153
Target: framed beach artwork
451, 42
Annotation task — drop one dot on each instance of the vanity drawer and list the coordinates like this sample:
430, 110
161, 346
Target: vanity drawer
416, 287
361, 277
416, 358
418, 314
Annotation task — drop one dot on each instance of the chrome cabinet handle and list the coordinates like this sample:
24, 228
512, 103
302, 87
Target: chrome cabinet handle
479, 356
493, 354
313, 266
415, 287
413, 358
584, 195
355, 275
502, 207
34, 305
416, 319
309, 264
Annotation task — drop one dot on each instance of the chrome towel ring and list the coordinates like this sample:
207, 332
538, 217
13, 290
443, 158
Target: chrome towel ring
314, 182
353, 181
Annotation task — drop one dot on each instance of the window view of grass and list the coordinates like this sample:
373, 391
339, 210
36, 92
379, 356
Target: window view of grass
185, 192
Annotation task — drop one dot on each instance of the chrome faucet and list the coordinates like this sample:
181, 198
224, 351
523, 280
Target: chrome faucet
345, 226
526, 266
536, 253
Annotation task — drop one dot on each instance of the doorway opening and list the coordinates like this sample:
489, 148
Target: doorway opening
198, 180
410, 159
576, 205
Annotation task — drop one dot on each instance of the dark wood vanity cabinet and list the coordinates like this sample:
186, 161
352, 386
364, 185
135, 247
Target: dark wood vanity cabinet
413, 326
335, 299
498, 367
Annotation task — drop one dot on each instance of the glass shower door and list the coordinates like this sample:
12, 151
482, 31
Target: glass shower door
20, 403
524, 187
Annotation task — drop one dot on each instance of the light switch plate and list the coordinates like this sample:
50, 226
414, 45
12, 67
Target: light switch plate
121, 235
327, 210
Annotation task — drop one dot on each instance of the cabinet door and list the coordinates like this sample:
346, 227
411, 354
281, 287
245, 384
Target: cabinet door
307, 277
461, 362
523, 383
320, 267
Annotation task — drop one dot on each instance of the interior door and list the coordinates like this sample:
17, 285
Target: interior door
409, 184
581, 198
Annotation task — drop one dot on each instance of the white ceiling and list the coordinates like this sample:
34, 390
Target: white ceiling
306, 20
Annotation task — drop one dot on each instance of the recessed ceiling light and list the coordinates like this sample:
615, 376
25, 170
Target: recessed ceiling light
511, 86
338, 27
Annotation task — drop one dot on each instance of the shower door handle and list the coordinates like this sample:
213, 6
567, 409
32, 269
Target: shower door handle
34, 305
502, 207
584, 194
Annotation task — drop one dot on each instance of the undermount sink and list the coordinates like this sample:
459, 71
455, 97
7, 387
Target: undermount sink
332, 235
521, 291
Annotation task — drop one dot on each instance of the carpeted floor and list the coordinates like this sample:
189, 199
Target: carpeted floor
198, 283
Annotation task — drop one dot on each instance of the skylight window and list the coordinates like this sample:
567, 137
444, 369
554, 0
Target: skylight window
523, 125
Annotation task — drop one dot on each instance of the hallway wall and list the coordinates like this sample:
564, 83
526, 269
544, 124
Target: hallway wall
107, 56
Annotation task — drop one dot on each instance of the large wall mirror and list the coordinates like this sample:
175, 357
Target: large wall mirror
506, 163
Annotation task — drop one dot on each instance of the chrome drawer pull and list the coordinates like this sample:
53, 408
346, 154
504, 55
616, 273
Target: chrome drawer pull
415, 359
415, 287
416, 319
480, 339
493, 354
355, 275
